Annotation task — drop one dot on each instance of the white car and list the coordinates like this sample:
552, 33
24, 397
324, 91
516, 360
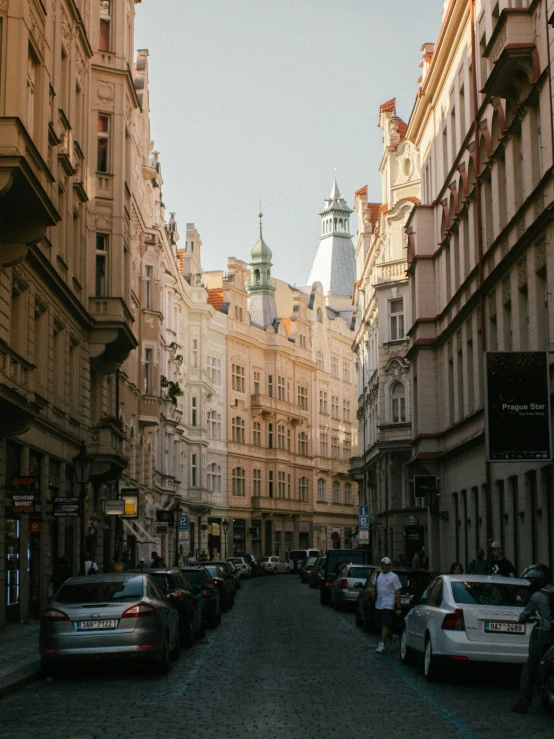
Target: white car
348, 584
242, 565
297, 558
463, 618
272, 565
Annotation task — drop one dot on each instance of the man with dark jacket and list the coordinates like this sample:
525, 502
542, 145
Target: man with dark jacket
540, 605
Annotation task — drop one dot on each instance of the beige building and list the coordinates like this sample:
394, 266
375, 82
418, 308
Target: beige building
397, 522
290, 404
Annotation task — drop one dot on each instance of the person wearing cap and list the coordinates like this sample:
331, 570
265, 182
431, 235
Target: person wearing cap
499, 565
387, 586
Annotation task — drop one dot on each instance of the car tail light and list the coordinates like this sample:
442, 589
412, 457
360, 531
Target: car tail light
216, 581
459, 657
454, 621
344, 583
52, 614
206, 593
139, 611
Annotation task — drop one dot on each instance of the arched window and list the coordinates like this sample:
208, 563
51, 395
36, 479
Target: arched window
257, 434
347, 493
303, 489
257, 276
214, 478
238, 477
336, 492
319, 316
398, 403
280, 436
288, 440
321, 493
237, 430
340, 224
320, 361
302, 444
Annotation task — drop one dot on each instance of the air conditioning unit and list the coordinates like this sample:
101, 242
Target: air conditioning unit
419, 502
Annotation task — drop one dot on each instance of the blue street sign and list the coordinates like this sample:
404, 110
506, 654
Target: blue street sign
363, 523
184, 522
363, 510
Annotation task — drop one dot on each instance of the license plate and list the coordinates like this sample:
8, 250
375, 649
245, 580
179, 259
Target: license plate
405, 600
93, 625
504, 628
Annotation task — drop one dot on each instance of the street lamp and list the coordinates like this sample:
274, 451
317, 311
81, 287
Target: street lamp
225, 525
178, 517
82, 465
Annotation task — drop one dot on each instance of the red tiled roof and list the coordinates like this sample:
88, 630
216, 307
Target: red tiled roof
389, 106
412, 199
402, 128
361, 191
215, 297
181, 257
287, 324
384, 208
373, 212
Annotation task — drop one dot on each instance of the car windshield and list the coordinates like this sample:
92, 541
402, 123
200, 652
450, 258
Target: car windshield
311, 561
212, 570
414, 580
165, 581
265, 559
235, 560
98, 591
195, 577
360, 573
490, 593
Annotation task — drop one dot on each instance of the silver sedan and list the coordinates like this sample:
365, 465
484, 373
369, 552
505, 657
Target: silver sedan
123, 615
467, 618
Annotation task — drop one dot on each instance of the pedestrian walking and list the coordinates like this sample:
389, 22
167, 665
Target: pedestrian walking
61, 572
478, 566
117, 564
499, 565
191, 560
417, 560
387, 593
91, 568
540, 604
153, 557
456, 568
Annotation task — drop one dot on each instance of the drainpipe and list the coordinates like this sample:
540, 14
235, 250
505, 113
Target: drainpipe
479, 217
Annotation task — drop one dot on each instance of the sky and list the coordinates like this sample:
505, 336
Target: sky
270, 100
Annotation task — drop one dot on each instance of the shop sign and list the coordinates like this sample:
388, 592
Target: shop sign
161, 528
424, 485
22, 495
129, 496
363, 535
412, 521
66, 507
34, 527
164, 516
114, 507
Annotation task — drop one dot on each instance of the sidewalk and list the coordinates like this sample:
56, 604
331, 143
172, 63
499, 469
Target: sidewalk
19, 657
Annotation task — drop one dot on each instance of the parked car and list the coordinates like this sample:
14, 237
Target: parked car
181, 595
467, 618
317, 574
123, 615
230, 570
297, 557
306, 569
413, 584
242, 565
335, 557
255, 567
273, 565
224, 584
349, 581
208, 593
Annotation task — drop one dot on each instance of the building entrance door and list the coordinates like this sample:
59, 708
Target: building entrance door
13, 569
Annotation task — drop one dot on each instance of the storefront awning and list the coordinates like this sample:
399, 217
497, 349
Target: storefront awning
140, 533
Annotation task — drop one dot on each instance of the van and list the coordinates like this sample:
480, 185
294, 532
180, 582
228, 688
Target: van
297, 558
335, 557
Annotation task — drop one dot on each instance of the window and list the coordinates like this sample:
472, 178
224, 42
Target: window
334, 366
335, 447
280, 436
237, 430
270, 483
105, 22
336, 492
214, 424
288, 440
288, 485
101, 285
335, 406
256, 383
214, 370
237, 378
398, 403
323, 445
347, 448
270, 385
148, 371
323, 401
32, 91
303, 397
347, 493
194, 470
320, 361
214, 477
346, 410
303, 489
396, 319
302, 341
321, 494
102, 159
194, 411
257, 434
194, 353
257, 482
238, 313
238, 481
302, 444
281, 484
346, 370
281, 388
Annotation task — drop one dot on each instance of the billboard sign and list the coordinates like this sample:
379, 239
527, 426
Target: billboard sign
517, 406
424, 485
67, 507
130, 497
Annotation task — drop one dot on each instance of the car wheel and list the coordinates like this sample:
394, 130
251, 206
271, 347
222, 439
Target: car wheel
407, 654
187, 634
202, 631
430, 668
214, 619
274, 571
323, 597
162, 663
219, 617
176, 653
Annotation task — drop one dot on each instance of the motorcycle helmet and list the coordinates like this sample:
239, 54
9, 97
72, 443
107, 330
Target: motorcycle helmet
536, 575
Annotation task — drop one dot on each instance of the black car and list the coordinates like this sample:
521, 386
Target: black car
181, 595
317, 575
335, 557
224, 584
204, 588
230, 570
413, 583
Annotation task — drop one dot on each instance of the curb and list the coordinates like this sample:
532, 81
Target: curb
20, 678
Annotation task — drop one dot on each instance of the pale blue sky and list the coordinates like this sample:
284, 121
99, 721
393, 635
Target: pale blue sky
265, 98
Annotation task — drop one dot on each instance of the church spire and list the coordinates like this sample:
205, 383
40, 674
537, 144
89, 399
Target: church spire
261, 287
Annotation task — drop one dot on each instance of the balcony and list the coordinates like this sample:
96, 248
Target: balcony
270, 406
112, 337
199, 376
26, 206
105, 446
511, 49
149, 410
392, 271
17, 399
199, 499
279, 506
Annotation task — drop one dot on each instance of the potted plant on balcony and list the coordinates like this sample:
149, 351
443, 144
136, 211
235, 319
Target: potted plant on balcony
173, 389
109, 421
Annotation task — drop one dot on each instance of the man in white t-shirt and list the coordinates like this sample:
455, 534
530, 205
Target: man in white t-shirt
387, 586
91, 568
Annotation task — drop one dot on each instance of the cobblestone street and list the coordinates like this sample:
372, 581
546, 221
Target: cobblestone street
279, 666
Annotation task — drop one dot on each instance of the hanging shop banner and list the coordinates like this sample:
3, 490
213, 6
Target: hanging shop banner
22, 498
518, 407
164, 516
114, 507
129, 496
66, 507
